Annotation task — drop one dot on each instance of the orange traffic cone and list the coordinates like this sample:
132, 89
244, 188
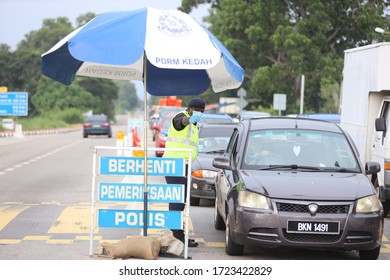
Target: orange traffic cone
136, 140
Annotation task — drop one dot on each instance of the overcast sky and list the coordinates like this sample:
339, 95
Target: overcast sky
19, 17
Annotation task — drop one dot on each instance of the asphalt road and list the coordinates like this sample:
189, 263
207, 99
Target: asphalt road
45, 206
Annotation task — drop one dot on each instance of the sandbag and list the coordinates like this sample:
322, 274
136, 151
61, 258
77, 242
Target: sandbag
137, 247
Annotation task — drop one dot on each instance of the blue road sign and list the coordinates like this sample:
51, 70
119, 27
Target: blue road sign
135, 192
135, 166
111, 218
13, 104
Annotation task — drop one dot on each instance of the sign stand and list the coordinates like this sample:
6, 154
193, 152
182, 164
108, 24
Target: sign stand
114, 165
92, 221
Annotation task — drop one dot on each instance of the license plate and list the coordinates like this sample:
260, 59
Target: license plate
96, 125
313, 227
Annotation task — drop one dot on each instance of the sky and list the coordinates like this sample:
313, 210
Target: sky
19, 17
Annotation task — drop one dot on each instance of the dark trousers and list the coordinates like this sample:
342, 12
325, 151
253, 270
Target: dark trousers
178, 233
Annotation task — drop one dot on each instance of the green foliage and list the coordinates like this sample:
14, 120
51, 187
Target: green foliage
276, 42
53, 119
127, 97
70, 116
39, 123
104, 91
51, 95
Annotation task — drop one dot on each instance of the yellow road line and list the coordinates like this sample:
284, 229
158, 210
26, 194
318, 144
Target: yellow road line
74, 219
8, 213
214, 244
36, 237
10, 241
60, 241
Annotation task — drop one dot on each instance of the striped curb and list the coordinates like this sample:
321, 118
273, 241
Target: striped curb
39, 132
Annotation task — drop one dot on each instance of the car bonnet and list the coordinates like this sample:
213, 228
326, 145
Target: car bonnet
307, 185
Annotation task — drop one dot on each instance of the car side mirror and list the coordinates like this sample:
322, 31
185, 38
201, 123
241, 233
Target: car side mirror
380, 124
222, 163
372, 167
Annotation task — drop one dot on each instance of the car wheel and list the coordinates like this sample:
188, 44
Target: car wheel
219, 224
109, 135
85, 135
194, 201
231, 248
370, 254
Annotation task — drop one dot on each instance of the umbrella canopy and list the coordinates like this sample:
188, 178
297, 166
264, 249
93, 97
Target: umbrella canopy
182, 57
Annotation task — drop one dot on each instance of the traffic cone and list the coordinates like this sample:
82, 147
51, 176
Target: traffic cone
136, 140
120, 142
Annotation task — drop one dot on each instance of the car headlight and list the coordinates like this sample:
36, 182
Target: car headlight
368, 204
252, 200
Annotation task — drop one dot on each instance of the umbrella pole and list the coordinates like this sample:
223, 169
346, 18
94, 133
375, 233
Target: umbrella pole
145, 229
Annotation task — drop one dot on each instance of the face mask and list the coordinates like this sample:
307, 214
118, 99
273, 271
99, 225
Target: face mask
196, 113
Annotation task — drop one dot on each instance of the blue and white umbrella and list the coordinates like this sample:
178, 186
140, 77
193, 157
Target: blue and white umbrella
182, 57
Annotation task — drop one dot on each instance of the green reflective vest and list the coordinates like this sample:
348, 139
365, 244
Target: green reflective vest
184, 139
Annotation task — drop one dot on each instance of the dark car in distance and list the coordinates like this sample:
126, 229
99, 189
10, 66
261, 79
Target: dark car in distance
97, 125
213, 140
296, 183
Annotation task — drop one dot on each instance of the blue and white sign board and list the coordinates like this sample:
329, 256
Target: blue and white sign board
135, 192
134, 123
13, 104
110, 218
135, 166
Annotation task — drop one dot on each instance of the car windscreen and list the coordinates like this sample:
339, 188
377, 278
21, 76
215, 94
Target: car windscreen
97, 119
297, 147
214, 139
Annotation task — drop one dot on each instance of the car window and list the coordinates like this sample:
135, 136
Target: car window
299, 147
216, 120
97, 118
211, 144
231, 149
214, 139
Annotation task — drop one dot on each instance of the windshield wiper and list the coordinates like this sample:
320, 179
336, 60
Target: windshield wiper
215, 152
291, 166
340, 169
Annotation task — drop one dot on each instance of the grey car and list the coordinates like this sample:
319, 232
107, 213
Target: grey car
97, 125
296, 183
213, 140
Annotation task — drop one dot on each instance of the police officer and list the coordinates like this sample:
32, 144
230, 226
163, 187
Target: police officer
183, 133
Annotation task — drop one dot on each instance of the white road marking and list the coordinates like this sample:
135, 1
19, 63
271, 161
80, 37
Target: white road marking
19, 165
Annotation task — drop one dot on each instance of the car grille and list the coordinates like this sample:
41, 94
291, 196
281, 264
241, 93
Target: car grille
317, 238
302, 208
322, 209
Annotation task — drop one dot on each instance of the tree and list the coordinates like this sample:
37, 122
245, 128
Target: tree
105, 93
127, 97
52, 96
278, 41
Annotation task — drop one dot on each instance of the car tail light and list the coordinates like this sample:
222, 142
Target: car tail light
87, 125
105, 124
